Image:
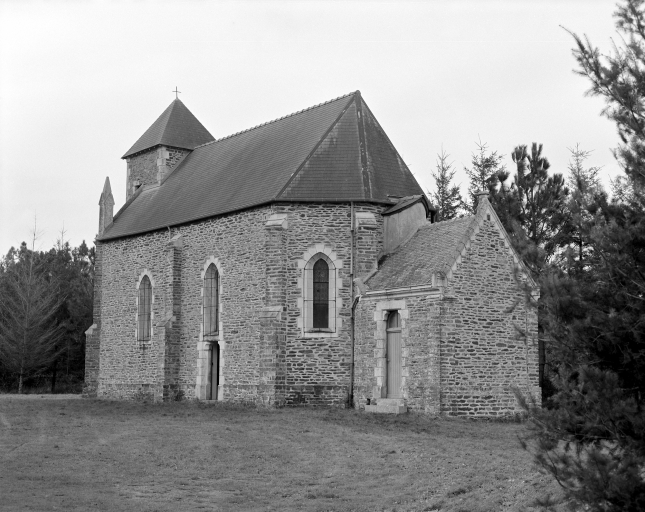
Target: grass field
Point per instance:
(83, 455)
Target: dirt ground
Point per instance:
(82, 455)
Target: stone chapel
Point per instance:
(298, 263)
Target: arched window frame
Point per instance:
(203, 335)
(306, 285)
(210, 301)
(206, 342)
(148, 341)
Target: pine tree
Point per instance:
(531, 207)
(29, 303)
(447, 196)
(482, 175)
(541, 199)
(584, 185)
(619, 78)
(592, 437)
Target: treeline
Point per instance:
(45, 308)
(585, 247)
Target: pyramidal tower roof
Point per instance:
(176, 127)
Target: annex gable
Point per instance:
(435, 251)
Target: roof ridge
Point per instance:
(442, 223)
(278, 119)
(453, 220)
(317, 145)
(170, 111)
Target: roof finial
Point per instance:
(177, 93)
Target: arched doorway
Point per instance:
(213, 372)
(394, 355)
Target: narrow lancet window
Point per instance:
(211, 301)
(145, 300)
(321, 295)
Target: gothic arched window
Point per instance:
(321, 295)
(211, 301)
(144, 312)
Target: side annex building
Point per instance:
(298, 263)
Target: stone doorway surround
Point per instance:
(393, 355)
(379, 402)
(205, 350)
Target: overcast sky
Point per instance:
(81, 81)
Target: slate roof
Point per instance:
(406, 202)
(433, 248)
(176, 127)
(332, 152)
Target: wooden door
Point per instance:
(213, 372)
(394, 355)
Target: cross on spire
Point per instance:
(177, 93)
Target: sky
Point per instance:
(81, 81)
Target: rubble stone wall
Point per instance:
(129, 368)
(264, 356)
(144, 167)
(420, 349)
(466, 347)
(490, 343)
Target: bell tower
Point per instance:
(160, 149)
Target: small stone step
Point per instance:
(389, 401)
(386, 409)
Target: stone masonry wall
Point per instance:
(265, 357)
(464, 348)
(490, 339)
(128, 368)
(144, 167)
(317, 370)
(92, 339)
(420, 349)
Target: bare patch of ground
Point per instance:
(79, 455)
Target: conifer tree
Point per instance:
(592, 437)
(584, 185)
(531, 205)
(482, 175)
(29, 302)
(447, 197)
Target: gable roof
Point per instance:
(332, 152)
(177, 127)
(430, 250)
(436, 249)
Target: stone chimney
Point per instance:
(106, 207)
